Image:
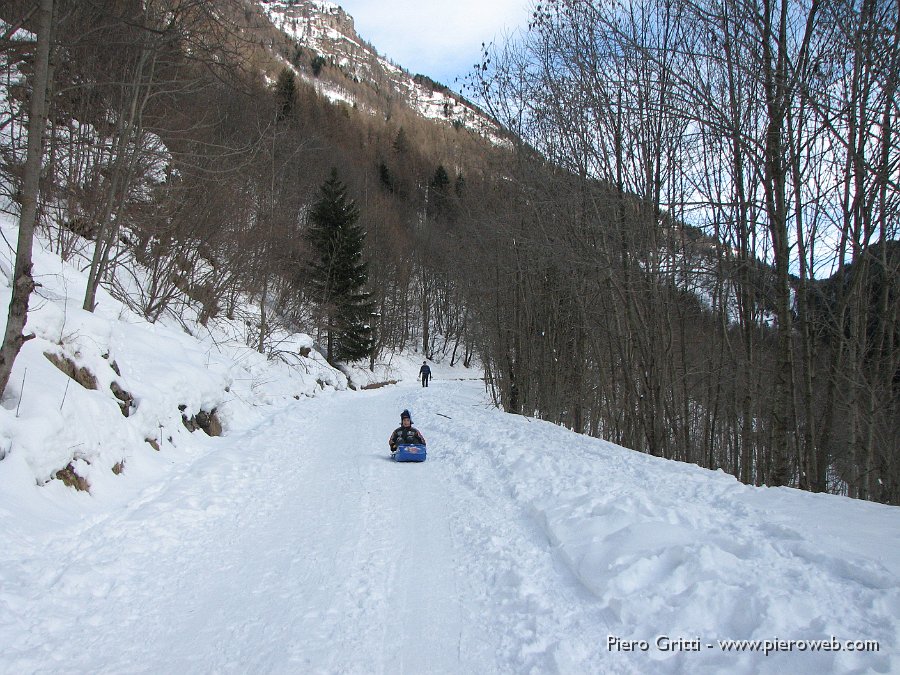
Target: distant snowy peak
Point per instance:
(320, 26)
(326, 29)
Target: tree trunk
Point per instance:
(23, 282)
(263, 327)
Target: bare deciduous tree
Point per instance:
(22, 280)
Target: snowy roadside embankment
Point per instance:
(673, 551)
(93, 391)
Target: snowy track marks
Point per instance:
(299, 547)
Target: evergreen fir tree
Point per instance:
(441, 179)
(317, 63)
(440, 182)
(286, 92)
(339, 274)
(384, 174)
(401, 142)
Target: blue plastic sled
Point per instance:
(410, 453)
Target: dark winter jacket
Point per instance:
(425, 370)
(406, 436)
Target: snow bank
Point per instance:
(137, 385)
(670, 550)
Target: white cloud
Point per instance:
(439, 39)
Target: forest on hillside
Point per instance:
(179, 138)
(689, 248)
(720, 281)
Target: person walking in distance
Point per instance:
(425, 373)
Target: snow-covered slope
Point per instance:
(137, 383)
(294, 544)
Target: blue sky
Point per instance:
(439, 39)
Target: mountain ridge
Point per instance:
(328, 32)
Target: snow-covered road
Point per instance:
(300, 546)
(517, 547)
